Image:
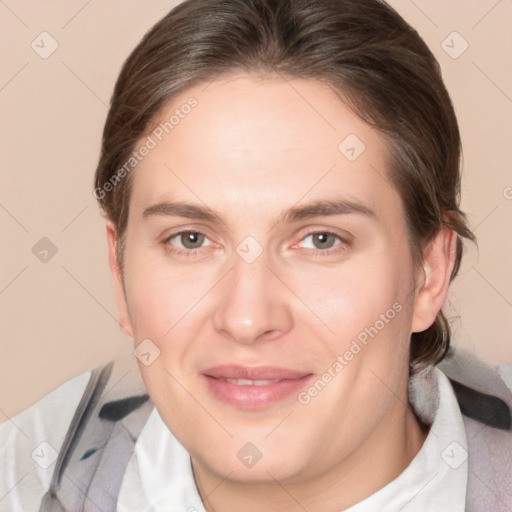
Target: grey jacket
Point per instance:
(486, 405)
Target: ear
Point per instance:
(115, 268)
(433, 279)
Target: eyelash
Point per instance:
(344, 243)
(337, 248)
(178, 250)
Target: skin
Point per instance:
(251, 150)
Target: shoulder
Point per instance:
(30, 443)
(485, 399)
(481, 389)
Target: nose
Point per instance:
(251, 304)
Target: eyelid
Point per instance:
(173, 249)
(185, 231)
(344, 237)
(345, 240)
(185, 228)
(339, 240)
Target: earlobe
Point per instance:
(433, 279)
(117, 274)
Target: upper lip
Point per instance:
(253, 373)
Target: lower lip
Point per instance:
(254, 397)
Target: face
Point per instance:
(267, 260)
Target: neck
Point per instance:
(381, 458)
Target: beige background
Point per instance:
(58, 318)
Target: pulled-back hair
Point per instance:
(362, 48)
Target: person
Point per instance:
(281, 184)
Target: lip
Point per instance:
(282, 383)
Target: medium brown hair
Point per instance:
(362, 48)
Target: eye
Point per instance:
(321, 240)
(187, 241)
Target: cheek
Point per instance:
(149, 305)
(351, 297)
(160, 296)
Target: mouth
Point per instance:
(253, 388)
(249, 382)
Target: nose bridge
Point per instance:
(249, 305)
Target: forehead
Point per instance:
(261, 142)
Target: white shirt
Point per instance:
(159, 476)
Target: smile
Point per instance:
(249, 382)
(253, 388)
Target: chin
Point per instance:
(245, 463)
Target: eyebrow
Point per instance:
(179, 209)
(326, 208)
(310, 210)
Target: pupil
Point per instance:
(324, 240)
(192, 240)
